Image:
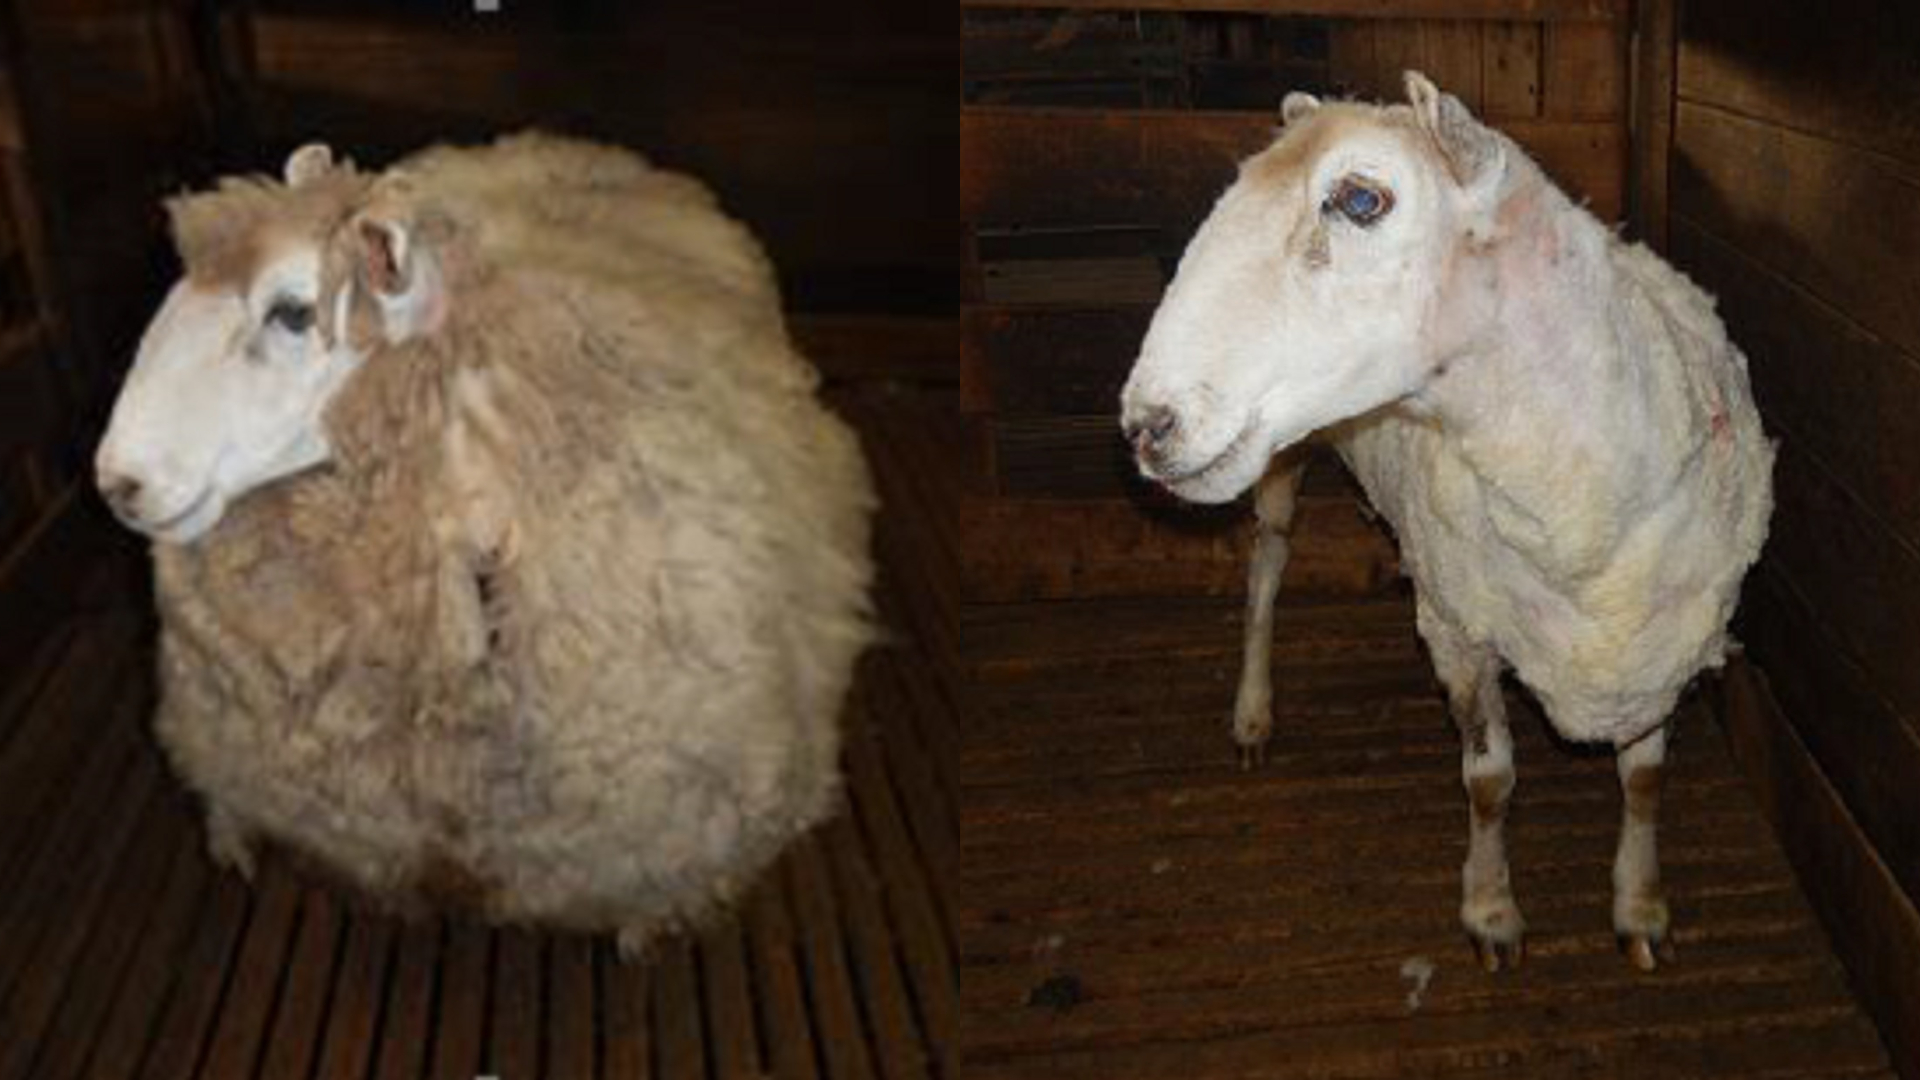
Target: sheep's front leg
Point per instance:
(1487, 910)
(1640, 916)
(1273, 506)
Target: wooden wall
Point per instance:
(828, 127)
(1795, 196)
(1074, 217)
(100, 115)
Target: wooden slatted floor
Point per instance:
(1134, 906)
(125, 956)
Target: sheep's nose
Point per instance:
(1152, 428)
(121, 492)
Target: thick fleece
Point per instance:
(562, 630)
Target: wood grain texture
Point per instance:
(1821, 379)
(1831, 218)
(1066, 167)
(1510, 70)
(1842, 70)
(1135, 905)
(1875, 928)
(1584, 67)
(1868, 752)
(1654, 55)
(795, 122)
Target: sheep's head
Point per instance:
(289, 288)
(1312, 292)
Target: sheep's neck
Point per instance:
(1533, 391)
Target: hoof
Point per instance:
(1252, 727)
(1498, 933)
(1647, 953)
(1641, 927)
(1498, 956)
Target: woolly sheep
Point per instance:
(503, 554)
(1553, 421)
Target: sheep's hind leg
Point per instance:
(1640, 916)
(1487, 909)
(1273, 506)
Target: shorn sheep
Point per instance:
(1552, 421)
(503, 554)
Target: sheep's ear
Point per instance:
(1296, 107)
(308, 163)
(382, 246)
(1472, 151)
(400, 275)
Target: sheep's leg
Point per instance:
(1471, 675)
(1273, 506)
(1640, 916)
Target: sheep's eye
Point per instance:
(1359, 201)
(293, 316)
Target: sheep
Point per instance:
(504, 557)
(1551, 420)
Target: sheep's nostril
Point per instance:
(1154, 427)
(122, 493)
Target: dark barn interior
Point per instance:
(1131, 903)
(1050, 863)
(123, 952)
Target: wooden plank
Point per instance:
(51, 857)
(868, 347)
(1067, 167)
(836, 1012)
(1510, 70)
(247, 1008)
(57, 736)
(41, 575)
(406, 1029)
(75, 897)
(781, 995)
(1869, 753)
(907, 895)
(1231, 924)
(517, 1004)
(1054, 549)
(676, 1010)
(1654, 63)
(112, 1047)
(897, 1042)
(292, 1048)
(1833, 548)
(466, 970)
(749, 113)
(353, 1014)
(1052, 361)
(176, 1043)
(1772, 193)
(727, 996)
(1844, 394)
(1872, 925)
(1842, 70)
(1453, 60)
(573, 1008)
(1351, 65)
(626, 988)
(1584, 68)
(1355, 9)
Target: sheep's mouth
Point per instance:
(187, 524)
(1230, 454)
